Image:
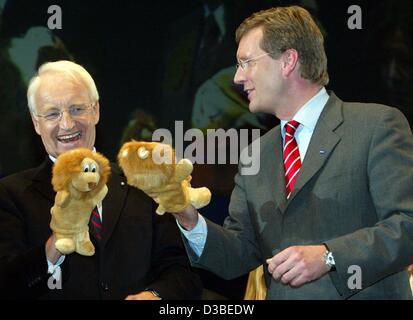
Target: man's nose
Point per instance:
(239, 77)
(66, 122)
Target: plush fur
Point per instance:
(152, 167)
(79, 179)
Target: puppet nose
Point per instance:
(92, 185)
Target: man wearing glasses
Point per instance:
(330, 214)
(139, 256)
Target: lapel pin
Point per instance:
(322, 152)
(122, 183)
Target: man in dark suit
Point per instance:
(330, 212)
(140, 254)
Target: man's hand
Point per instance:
(52, 254)
(144, 295)
(187, 218)
(298, 265)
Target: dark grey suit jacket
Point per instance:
(139, 248)
(353, 193)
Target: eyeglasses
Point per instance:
(245, 63)
(76, 112)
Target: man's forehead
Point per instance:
(59, 90)
(55, 81)
(249, 44)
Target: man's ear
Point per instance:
(289, 61)
(35, 123)
(96, 112)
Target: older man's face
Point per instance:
(66, 116)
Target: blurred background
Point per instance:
(155, 63)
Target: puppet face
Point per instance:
(81, 169)
(88, 178)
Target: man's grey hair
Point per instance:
(68, 69)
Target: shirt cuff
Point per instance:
(197, 236)
(54, 269)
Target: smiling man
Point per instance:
(64, 105)
(334, 191)
(139, 254)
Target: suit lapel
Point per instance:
(113, 203)
(321, 145)
(42, 180)
(272, 166)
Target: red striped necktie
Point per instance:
(97, 223)
(292, 160)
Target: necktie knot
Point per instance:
(291, 127)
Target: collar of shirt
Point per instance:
(100, 209)
(307, 116)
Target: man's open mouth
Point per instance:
(70, 137)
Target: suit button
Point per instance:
(104, 286)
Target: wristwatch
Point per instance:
(329, 260)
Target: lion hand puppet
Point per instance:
(79, 179)
(152, 167)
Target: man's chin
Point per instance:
(256, 107)
(66, 146)
(252, 107)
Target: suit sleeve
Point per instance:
(232, 250)
(171, 274)
(387, 247)
(23, 270)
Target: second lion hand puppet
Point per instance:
(152, 167)
(79, 178)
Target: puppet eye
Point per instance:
(93, 167)
(86, 168)
(125, 153)
(143, 153)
